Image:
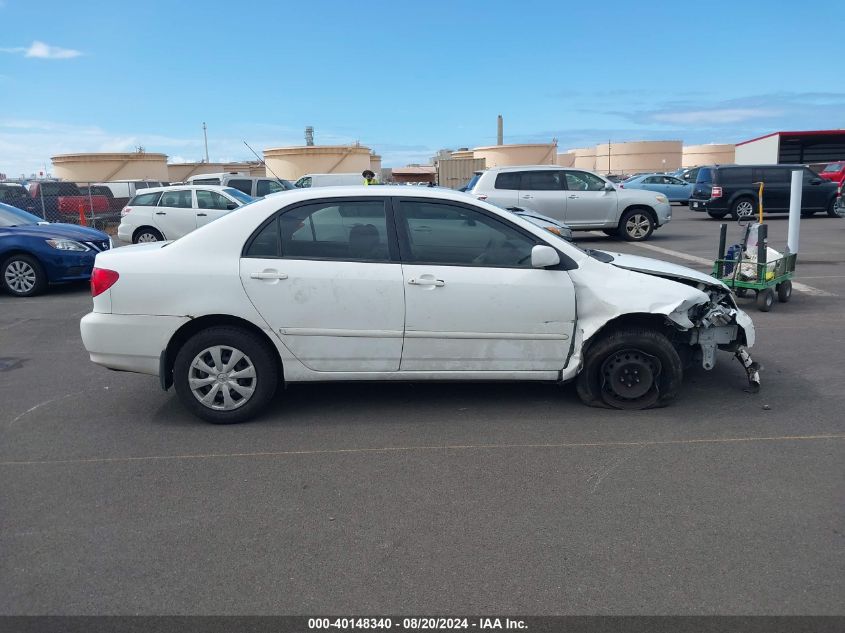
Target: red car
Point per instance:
(834, 172)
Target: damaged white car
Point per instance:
(379, 283)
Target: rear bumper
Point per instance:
(128, 342)
(697, 204)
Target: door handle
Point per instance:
(527, 197)
(572, 196)
(268, 274)
(427, 282)
(201, 215)
(161, 213)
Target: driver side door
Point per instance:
(587, 201)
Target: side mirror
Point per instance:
(608, 186)
(544, 256)
(232, 206)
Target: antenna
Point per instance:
(261, 160)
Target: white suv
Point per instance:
(581, 199)
(168, 213)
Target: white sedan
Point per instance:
(168, 213)
(385, 283)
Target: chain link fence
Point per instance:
(93, 204)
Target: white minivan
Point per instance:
(255, 186)
(328, 180)
(168, 213)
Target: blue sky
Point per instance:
(408, 78)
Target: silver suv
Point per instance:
(581, 199)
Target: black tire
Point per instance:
(147, 234)
(636, 225)
(22, 275)
(743, 207)
(257, 354)
(617, 366)
(611, 232)
(834, 211)
(784, 290)
(718, 215)
(765, 300)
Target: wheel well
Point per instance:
(20, 251)
(642, 320)
(145, 226)
(639, 207)
(193, 326)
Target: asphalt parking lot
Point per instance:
(434, 498)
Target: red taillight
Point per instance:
(481, 197)
(125, 210)
(102, 279)
(716, 192)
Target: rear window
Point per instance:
(508, 180)
(59, 189)
(834, 167)
(241, 185)
(738, 176)
(263, 187)
(206, 181)
(705, 174)
(145, 200)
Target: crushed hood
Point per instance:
(660, 268)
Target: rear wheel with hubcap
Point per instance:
(225, 375)
(23, 275)
(630, 369)
(834, 210)
(147, 234)
(742, 208)
(636, 225)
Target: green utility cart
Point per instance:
(770, 278)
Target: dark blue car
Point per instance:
(34, 253)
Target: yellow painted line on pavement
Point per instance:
(444, 447)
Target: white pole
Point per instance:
(795, 211)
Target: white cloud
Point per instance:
(40, 50)
(717, 116)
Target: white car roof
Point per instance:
(182, 188)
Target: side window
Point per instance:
(546, 180)
(582, 181)
(739, 175)
(771, 175)
(211, 200)
(266, 243)
(340, 230)
(263, 187)
(507, 180)
(206, 181)
(241, 185)
(178, 199)
(145, 200)
(303, 182)
(451, 235)
(651, 180)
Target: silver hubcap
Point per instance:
(638, 226)
(222, 378)
(20, 276)
(147, 237)
(745, 209)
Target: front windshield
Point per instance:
(834, 167)
(12, 216)
(239, 195)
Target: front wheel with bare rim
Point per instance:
(633, 368)
(225, 375)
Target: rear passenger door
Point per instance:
(505, 191)
(326, 278)
(543, 191)
(175, 215)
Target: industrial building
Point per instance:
(294, 162)
(817, 147)
(100, 167)
(709, 154)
